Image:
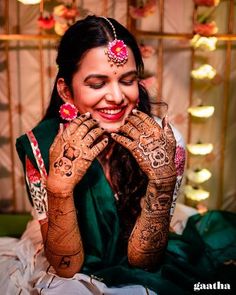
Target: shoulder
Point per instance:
(44, 133)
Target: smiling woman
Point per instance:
(112, 93)
(102, 173)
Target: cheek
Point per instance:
(133, 95)
(85, 100)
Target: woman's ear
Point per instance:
(64, 91)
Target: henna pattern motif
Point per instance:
(65, 262)
(63, 245)
(153, 236)
(155, 204)
(71, 154)
(73, 151)
(154, 149)
(152, 146)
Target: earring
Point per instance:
(137, 103)
(68, 111)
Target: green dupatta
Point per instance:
(194, 256)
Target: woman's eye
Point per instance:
(128, 82)
(96, 85)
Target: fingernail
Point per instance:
(61, 127)
(135, 111)
(86, 115)
(166, 119)
(106, 140)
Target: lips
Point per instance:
(112, 114)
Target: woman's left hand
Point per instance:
(152, 146)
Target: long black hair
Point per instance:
(126, 176)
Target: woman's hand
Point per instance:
(153, 148)
(72, 152)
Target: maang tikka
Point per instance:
(116, 51)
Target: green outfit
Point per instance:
(195, 256)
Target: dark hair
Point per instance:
(91, 32)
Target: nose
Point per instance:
(115, 95)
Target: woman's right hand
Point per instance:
(72, 152)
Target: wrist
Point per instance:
(58, 187)
(164, 185)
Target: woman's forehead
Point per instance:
(96, 60)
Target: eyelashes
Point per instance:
(97, 85)
(124, 82)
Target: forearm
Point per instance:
(63, 245)
(149, 237)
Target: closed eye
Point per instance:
(96, 85)
(129, 82)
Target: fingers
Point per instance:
(130, 130)
(85, 127)
(99, 147)
(167, 129)
(58, 136)
(124, 141)
(94, 134)
(150, 122)
(73, 126)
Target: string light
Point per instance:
(198, 175)
(30, 1)
(201, 111)
(204, 43)
(205, 71)
(196, 193)
(200, 148)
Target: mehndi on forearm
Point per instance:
(149, 237)
(63, 245)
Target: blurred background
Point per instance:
(189, 51)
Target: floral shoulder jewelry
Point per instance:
(116, 51)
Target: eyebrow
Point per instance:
(133, 72)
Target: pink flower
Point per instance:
(117, 52)
(206, 2)
(144, 10)
(180, 160)
(46, 22)
(206, 29)
(68, 111)
(119, 48)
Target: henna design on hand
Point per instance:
(152, 235)
(153, 147)
(63, 244)
(154, 150)
(65, 262)
(73, 151)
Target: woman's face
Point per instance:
(108, 92)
